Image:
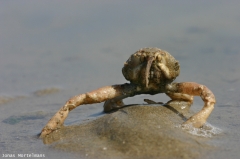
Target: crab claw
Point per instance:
(149, 64)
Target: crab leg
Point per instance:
(96, 96)
(114, 104)
(194, 89)
(180, 99)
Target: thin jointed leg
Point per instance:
(96, 96)
(194, 89)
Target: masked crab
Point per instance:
(150, 71)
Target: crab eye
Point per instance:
(158, 57)
(163, 53)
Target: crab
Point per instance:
(150, 71)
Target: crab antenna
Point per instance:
(149, 64)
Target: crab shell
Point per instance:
(144, 67)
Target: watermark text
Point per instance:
(22, 155)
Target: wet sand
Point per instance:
(136, 131)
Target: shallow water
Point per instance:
(51, 51)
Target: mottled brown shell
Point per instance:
(143, 68)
